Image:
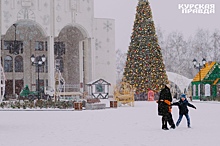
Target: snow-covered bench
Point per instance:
(94, 104)
(93, 100)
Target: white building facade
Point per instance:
(66, 32)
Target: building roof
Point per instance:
(102, 81)
(204, 71)
(216, 81)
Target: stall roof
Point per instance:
(97, 81)
(204, 71)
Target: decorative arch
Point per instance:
(67, 53)
(30, 23)
(70, 48)
(28, 33)
(181, 81)
(19, 65)
(71, 32)
(8, 64)
(79, 27)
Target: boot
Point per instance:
(164, 126)
(173, 126)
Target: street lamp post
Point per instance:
(15, 49)
(199, 66)
(39, 62)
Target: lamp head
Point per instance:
(15, 25)
(43, 58)
(40, 62)
(32, 58)
(203, 61)
(194, 62)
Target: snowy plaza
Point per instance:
(123, 126)
(100, 72)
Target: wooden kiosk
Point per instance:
(98, 89)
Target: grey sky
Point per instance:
(165, 14)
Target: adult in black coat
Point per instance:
(183, 110)
(164, 108)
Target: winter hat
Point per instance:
(183, 96)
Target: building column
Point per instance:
(81, 65)
(51, 67)
(93, 55)
(1, 96)
(88, 62)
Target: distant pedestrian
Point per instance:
(183, 110)
(175, 95)
(190, 98)
(164, 108)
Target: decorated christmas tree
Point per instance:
(144, 68)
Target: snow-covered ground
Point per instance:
(124, 126)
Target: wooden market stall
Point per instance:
(98, 88)
(207, 82)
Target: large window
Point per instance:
(39, 46)
(59, 64)
(207, 90)
(46, 66)
(9, 87)
(46, 47)
(100, 88)
(8, 64)
(19, 64)
(15, 47)
(8, 45)
(47, 82)
(59, 48)
(218, 90)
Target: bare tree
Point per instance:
(215, 44)
(176, 48)
(179, 53)
(120, 64)
(201, 45)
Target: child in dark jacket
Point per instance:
(183, 110)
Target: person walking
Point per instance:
(164, 108)
(183, 110)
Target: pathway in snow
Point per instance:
(124, 126)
